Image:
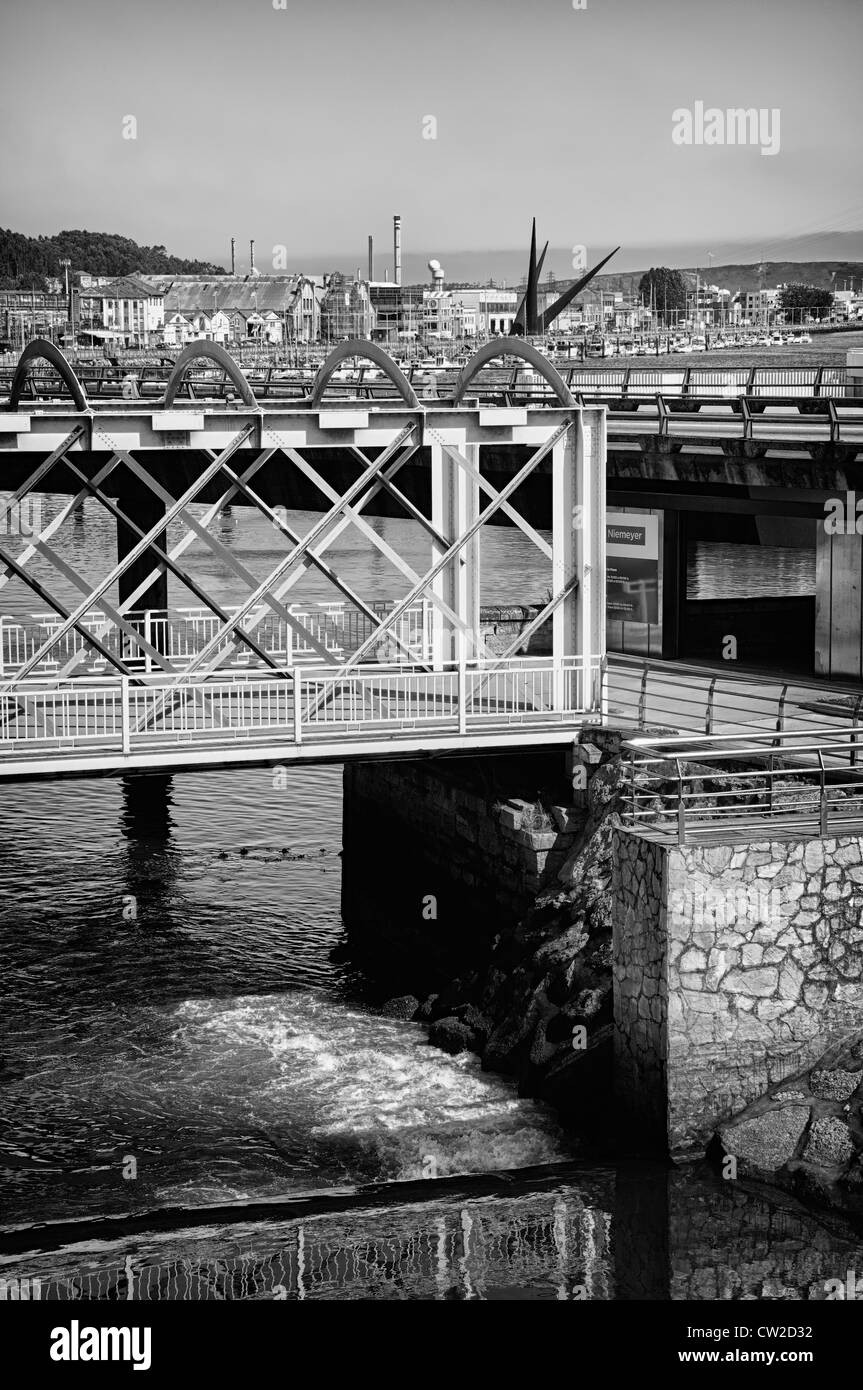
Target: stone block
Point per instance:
(767, 1140)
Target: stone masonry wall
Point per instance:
(762, 968)
(639, 955)
(508, 851)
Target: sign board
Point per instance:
(632, 567)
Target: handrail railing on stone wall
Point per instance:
(682, 789)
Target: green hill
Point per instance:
(26, 262)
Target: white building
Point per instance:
(493, 311)
(130, 311)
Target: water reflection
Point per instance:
(594, 1234)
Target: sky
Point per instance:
(305, 127)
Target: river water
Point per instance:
(218, 1046)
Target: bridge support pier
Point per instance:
(735, 967)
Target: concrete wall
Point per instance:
(735, 966)
(454, 830)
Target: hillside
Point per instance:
(25, 262)
(829, 275)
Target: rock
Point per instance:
(425, 1012)
(829, 1142)
(451, 1035)
(588, 1003)
(562, 949)
(455, 993)
(403, 1006)
(479, 1023)
(835, 1085)
(767, 1140)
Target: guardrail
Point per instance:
(181, 633)
(642, 692)
(517, 382)
(295, 705)
(806, 782)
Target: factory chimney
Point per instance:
(397, 248)
(252, 256)
(371, 259)
(233, 257)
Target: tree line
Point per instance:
(27, 262)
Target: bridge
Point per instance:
(113, 675)
(103, 671)
(761, 404)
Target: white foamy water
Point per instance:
(367, 1089)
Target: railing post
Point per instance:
(642, 698)
(125, 714)
(681, 809)
(854, 725)
(823, 807)
(780, 713)
(633, 804)
(148, 637)
(462, 694)
(298, 708)
(708, 715)
(2, 653)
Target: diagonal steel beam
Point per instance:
(62, 516)
(209, 516)
(69, 623)
(383, 546)
(298, 554)
(226, 556)
(146, 543)
(410, 507)
(177, 570)
(343, 522)
(83, 585)
(325, 569)
(41, 472)
(461, 541)
(490, 491)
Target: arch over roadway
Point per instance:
(41, 348)
(358, 347)
(512, 348)
(214, 353)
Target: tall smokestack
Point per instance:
(233, 257)
(371, 259)
(252, 256)
(397, 248)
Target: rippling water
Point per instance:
(214, 1039)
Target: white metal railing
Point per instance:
(179, 634)
(295, 704)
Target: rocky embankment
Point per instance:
(806, 1135)
(541, 1008)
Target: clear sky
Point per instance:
(304, 126)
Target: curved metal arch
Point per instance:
(40, 347)
(512, 348)
(358, 347)
(215, 353)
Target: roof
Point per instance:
(125, 287)
(247, 294)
